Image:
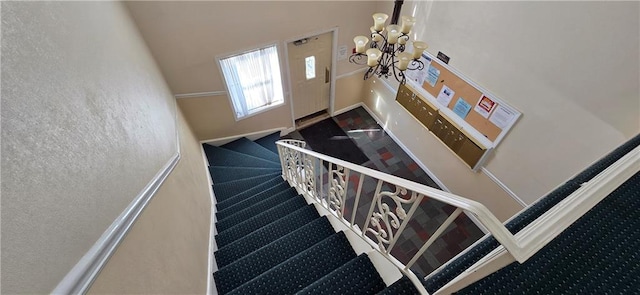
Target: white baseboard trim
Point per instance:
(407, 150)
(251, 135)
(82, 275)
(422, 165)
(503, 186)
(212, 265)
(200, 94)
(344, 110)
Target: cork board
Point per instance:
(472, 95)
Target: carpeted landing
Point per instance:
(270, 241)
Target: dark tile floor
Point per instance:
(387, 156)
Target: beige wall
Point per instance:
(570, 67)
(212, 117)
(87, 122)
(166, 251)
(186, 37)
(349, 90)
(451, 171)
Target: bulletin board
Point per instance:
(490, 116)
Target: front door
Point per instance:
(310, 68)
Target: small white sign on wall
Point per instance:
(342, 52)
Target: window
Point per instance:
(253, 80)
(310, 67)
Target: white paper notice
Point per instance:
(484, 106)
(502, 117)
(419, 76)
(445, 96)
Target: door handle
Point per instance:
(326, 75)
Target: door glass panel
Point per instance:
(310, 65)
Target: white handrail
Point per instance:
(483, 214)
(300, 166)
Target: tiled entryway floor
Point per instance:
(387, 156)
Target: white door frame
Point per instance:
(334, 49)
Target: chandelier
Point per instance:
(386, 56)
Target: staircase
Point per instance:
(598, 254)
(270, 241)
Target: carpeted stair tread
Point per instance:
(403, 286)
(246, 146)
(460, 264)
(259, 206)
(598, 254)
(246, 268)
(269, 141)
(265, 235)
(357, 276)
(227, 173)
(218, 156)
(241, 229)
(606, 161)
(246, 198)
(228, 189)
(303, 269)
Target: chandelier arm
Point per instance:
(358, 58)
(416, 64)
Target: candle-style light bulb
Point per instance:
(361, 43)
(407, 23)
(373, 55)
(418, 49)
(378, 21)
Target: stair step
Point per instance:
(463, 262)
(241, 229)
(269, 141)
(303, 269)
(357, 276)
(227, 173)
(246, 146)
(261, 260)
(265, 235)
(258, 207)
(218, 156)
(228, 189)
(403, 286)
(248, 197)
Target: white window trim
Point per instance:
(282, 75)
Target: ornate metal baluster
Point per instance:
(373, 206)
(310, 176)
(384, 221)
(337, 189)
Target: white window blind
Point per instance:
(253, 80)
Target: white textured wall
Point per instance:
(167, 249)
(572, 68)
(87, 121)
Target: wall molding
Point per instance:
(504, 187)
(212, 266)
(82, 275)
(251, 135)
(201, 94)
(349, 108)
(362, 70)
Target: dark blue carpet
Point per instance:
(598, 254)
(457, 266)
(269, 240)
